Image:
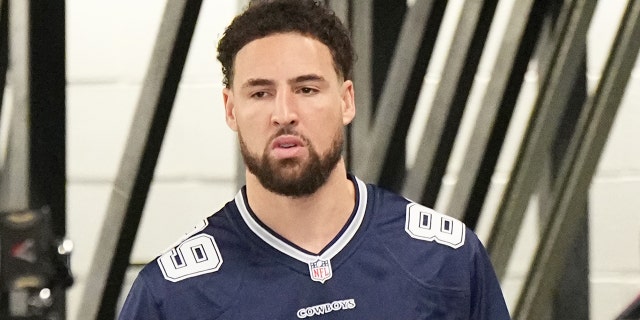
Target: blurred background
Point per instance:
(518, 117)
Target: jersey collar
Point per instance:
(287, 248)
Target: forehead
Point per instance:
(283, 55)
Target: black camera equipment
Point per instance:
(33, 265)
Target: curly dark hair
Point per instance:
(266, 17)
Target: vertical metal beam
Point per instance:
(14, 173)
(4, 52)
(48, 109)
(134, 177)
(578, 167)
(425, 177)
(358, 131)
(571, 298)
(571, 295)
(34, 171)
(15, 179)
(410, 60)
(554, 92)
(389, 16)
(47, 100)
(497, 107)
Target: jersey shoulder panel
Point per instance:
(426, 224)
(431, 247)
(192, 273)
(198, 251)
(198, 254)
(419, 222)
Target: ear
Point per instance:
(348, 102)
(229, 108)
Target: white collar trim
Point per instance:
(287, 249)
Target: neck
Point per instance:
(310, 222)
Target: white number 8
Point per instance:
(426, 224)
(193, 257)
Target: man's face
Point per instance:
(289, 107)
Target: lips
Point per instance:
(286, 141)
(287, 146)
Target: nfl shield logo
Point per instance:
(320, 270)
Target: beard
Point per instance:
(293, 177)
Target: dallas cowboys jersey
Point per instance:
(394, 259)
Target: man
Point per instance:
(303, 238)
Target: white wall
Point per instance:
(108, 50)
(109, 45)
(615, 219)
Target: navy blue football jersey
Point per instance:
(394, 259)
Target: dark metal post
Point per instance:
(388, 17)
(4, 44)
(554, 94)
(425, 177)
(406, 71)
(571, 299)
(34, 172)
(520, 39)
(358, 130)
(578, 165)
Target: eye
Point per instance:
(259, 94)
(307, 90)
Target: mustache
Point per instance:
(286, 130)
(289, 131)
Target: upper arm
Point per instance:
(140, 303)
(487, 300)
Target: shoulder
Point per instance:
(426, 224)
(171, 284)
(421, 224)
(420, 237)
(197, 252)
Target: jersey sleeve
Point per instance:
(140, 303)
(487, 300)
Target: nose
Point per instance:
(285, 109)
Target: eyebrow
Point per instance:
(267, 82)
(257, 82)
(306, 77)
